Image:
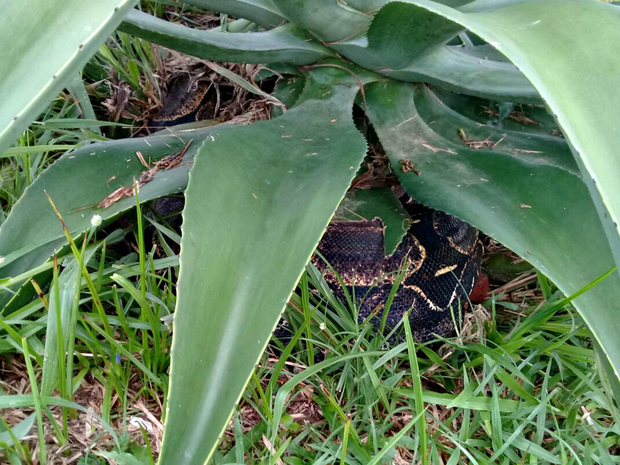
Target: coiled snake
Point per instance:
(440, 262)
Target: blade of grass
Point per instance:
(345, 442)
(376, 460)
(416, 379)
(78, 91)
(36, 400)
(156, 379)
(244, 84)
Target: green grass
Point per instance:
(524, 393)
(519, 385)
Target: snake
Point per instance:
(430, 277)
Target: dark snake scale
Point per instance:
(440, 259)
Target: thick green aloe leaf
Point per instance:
(287, 90)
(580, 88)
(404, 44)
(258, 201)
(46, 44)
(77, 182)
(413, 47)
(327, 20)
(262, 12)
(496, 114)
(455, 69)
(535, 203)
(520, 140)
(334, 21)
(371, 6)
(284, 44)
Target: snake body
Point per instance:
(440, 262)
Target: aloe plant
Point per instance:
(415, 71)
